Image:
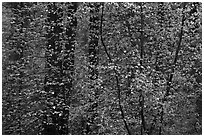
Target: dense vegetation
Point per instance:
(102, 68)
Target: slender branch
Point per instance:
(116, 74)
(176, 55)
(172, 71)
(142, 35)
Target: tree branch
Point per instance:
(176, 55)
(116, 74)
(172, 71)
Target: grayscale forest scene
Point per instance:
(101, 68)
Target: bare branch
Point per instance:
(116, 74)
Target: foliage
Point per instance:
(102, 68)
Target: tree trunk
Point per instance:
(60, 66)
(93, 60)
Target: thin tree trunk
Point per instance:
(116, 74)
(52, 79)
(93, 60)
(68, 61)
(169, 81)
(60, 65)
